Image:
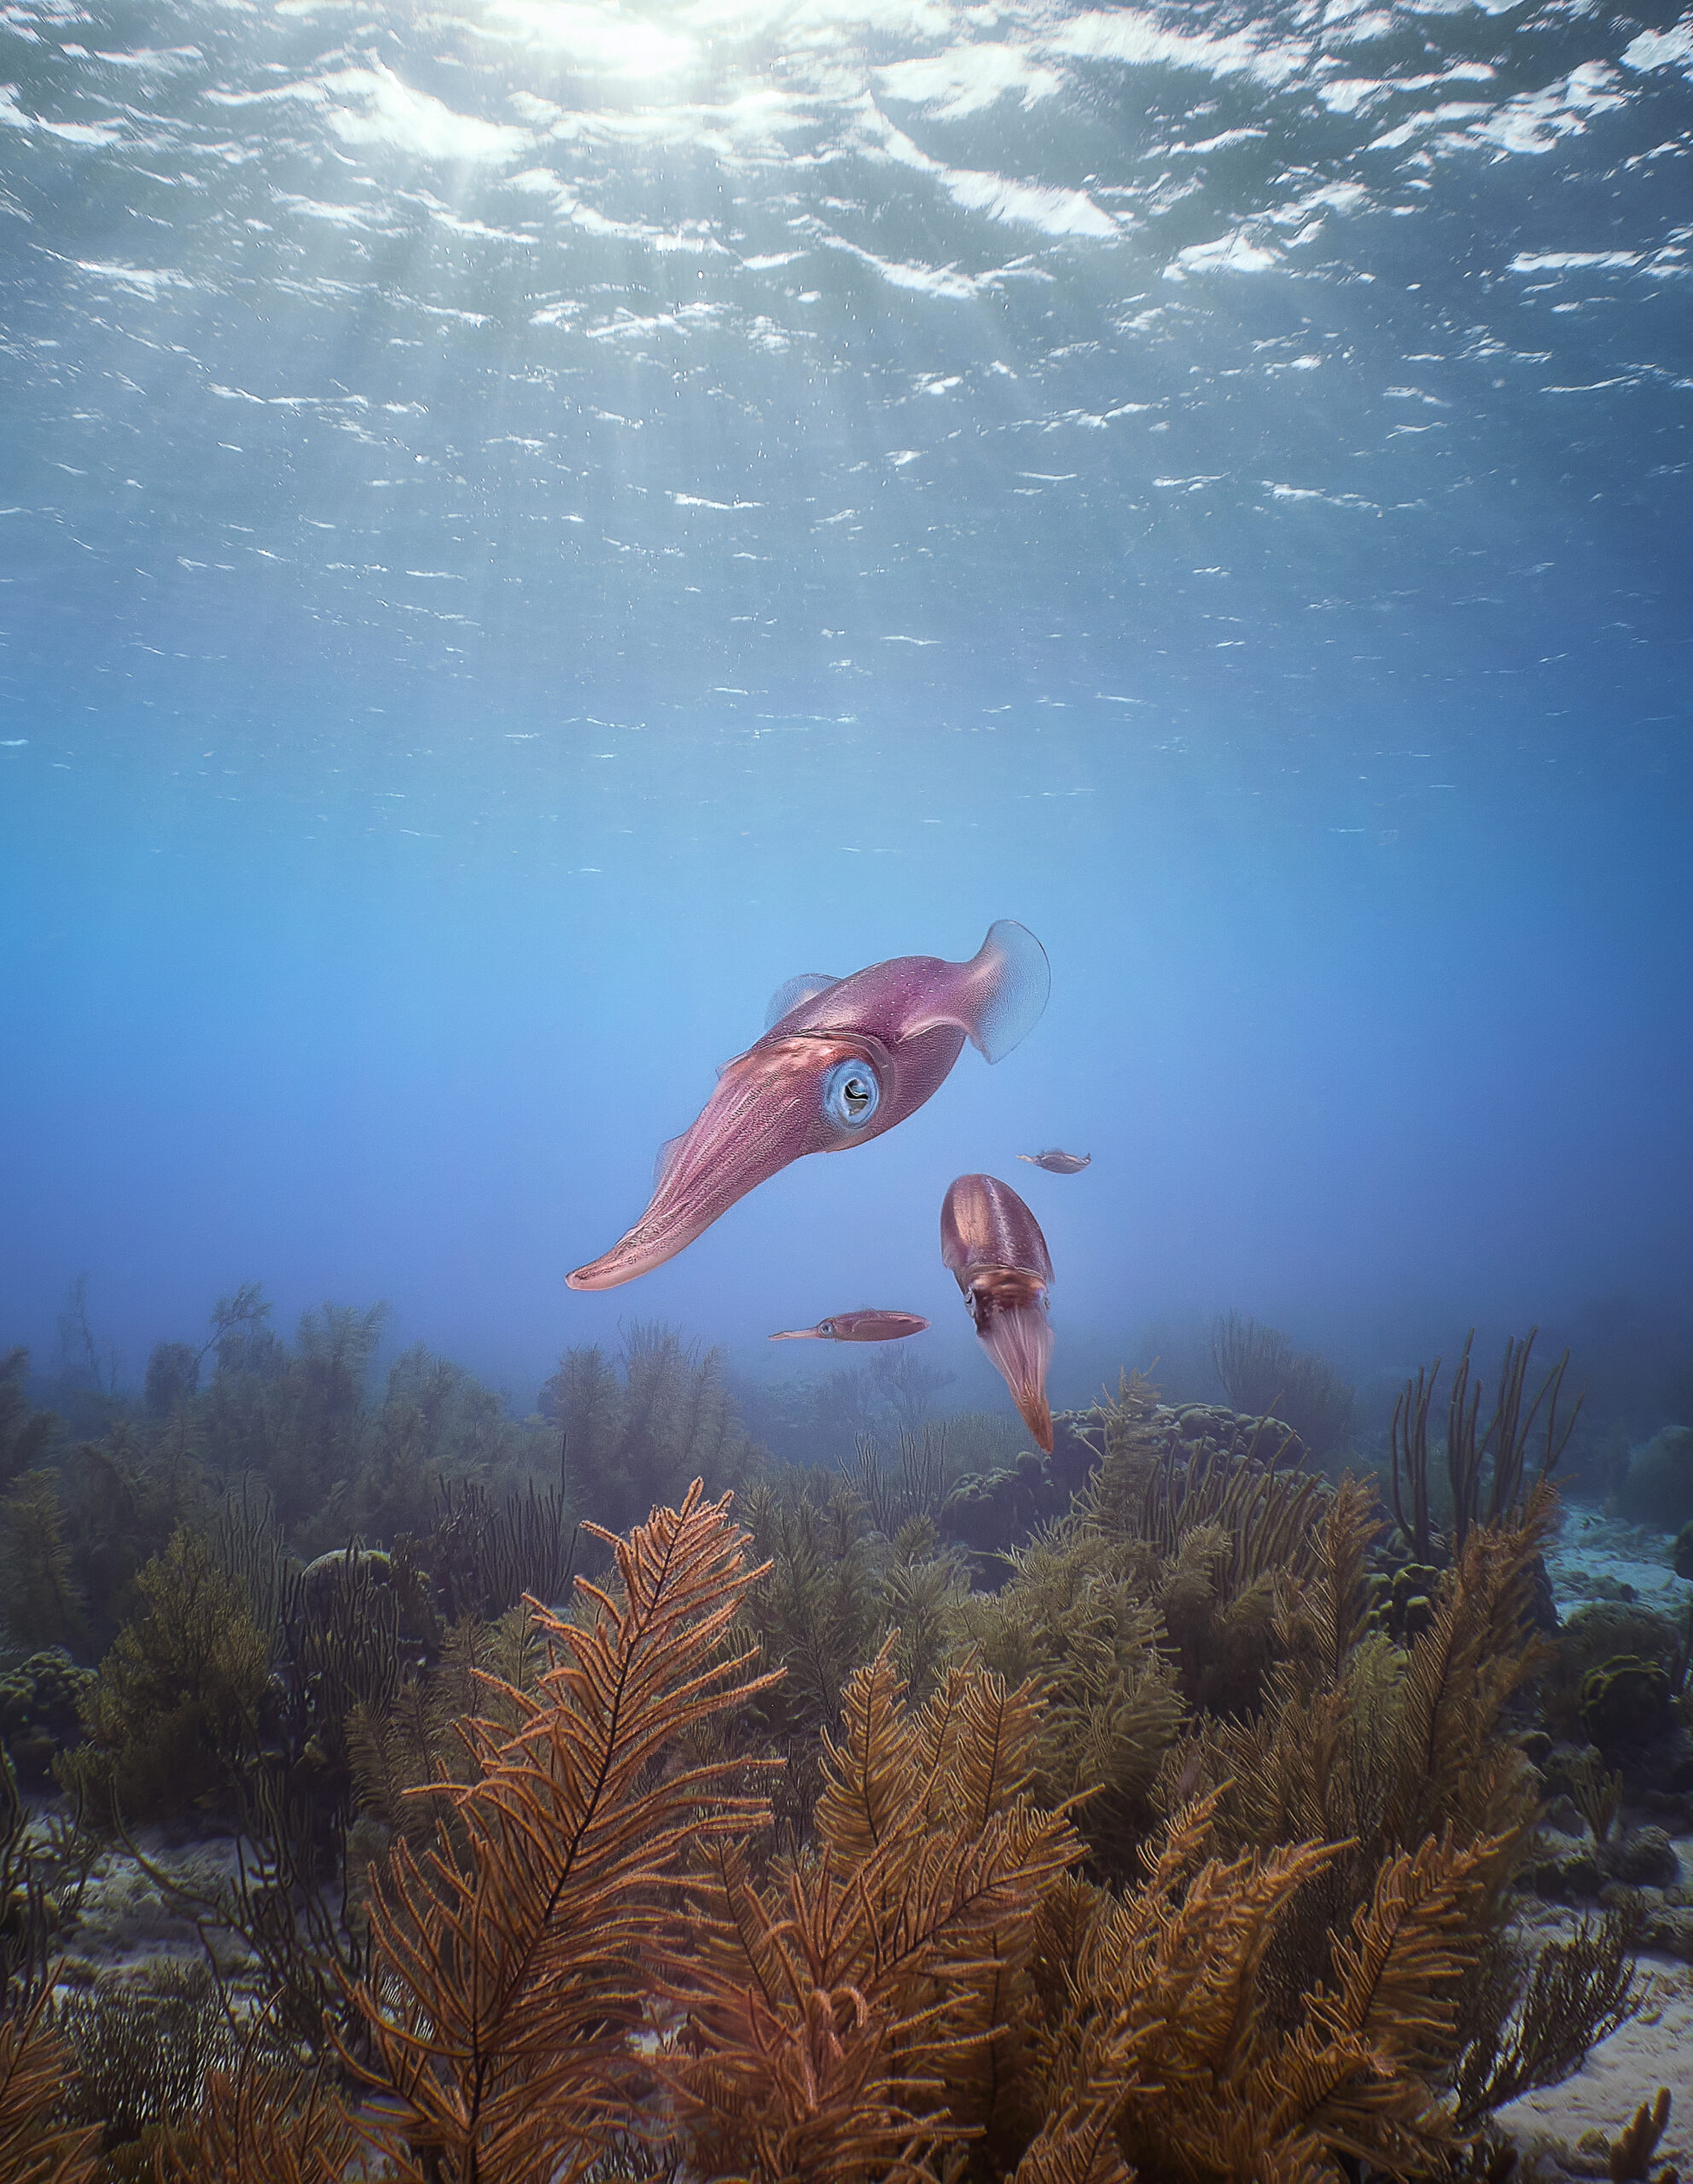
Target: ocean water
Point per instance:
(524, 526)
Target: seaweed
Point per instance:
(915, 1485)
(141, 2050)
(483, 1555)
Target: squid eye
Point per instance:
(850, 1093)
(825, 1327)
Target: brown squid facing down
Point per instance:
(857, 1327)
(841, 1061)
(993, 1247)
(1057, 1163)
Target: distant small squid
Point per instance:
(857, 1327)
(992, 1246)
(1057, 1163)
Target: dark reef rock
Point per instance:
(1572, 1877)
(1409, 1608)
(1684, 1551)
(1268, 1440)
(322, 1581)
(1593, 1640)
(1670, 1931)
(987, 1511)
(1624, 1702)
(1074, 1456)
(1645, 1858)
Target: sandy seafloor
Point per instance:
(1564, 2131)
(1561, 2130)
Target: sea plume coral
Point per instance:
(508, 1959)
(843, 2018)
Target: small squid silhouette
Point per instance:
(1057, 1163)
(857, 1327)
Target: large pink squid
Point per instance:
(841, 1061)
(993, 1247)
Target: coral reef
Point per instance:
(41, 1703)
(779, 1849)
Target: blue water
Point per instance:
(526, 525)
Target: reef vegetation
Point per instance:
(608, 1799)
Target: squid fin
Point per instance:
(1009, 979)
(996, 997)
(789, 995)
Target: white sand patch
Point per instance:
(1594, 1555)
(1654, 2049)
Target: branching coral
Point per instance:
(841, 2016)
(1076, 1618)
(34, 2147)
(815, 1615)
(1523, 2033)
(402, 1748)
(142, 2049)
(264, 2122)
(25, 1433)
(508, 1959)
(1162, 2039)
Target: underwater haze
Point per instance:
(525, 525)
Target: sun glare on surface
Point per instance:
(621, 41)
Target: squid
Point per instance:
(991, 1244)
(1057, 1163)
(841, 1061)
(858, 1327)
